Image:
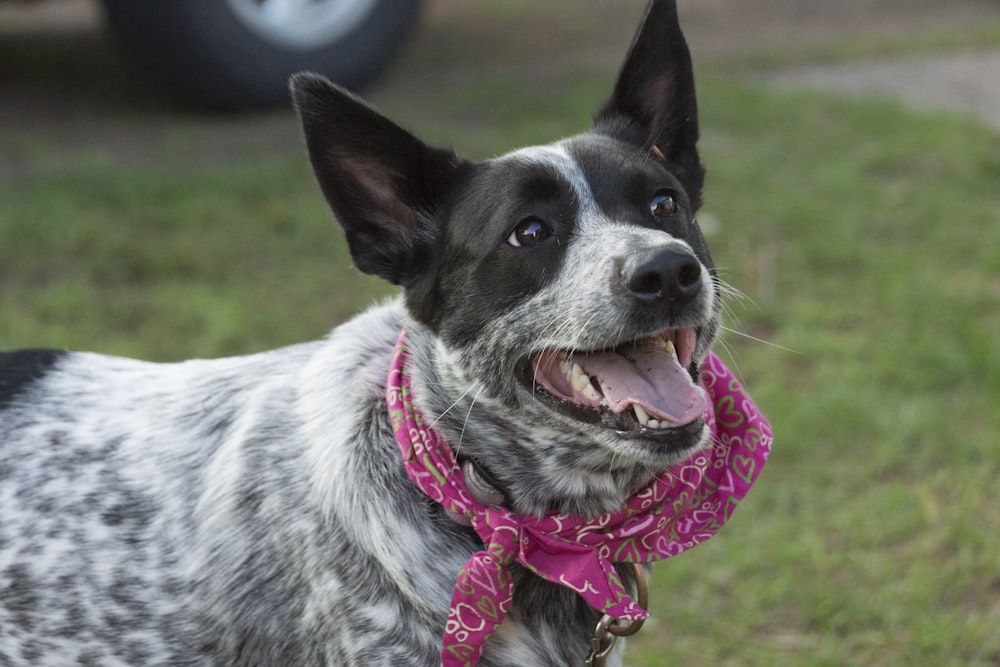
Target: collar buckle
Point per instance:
(609, 629)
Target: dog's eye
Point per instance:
(662, 205)
(529, 232)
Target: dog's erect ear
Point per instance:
(382, 183)
(654, 102)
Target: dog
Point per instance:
(256, 510)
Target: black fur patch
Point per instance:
(18, 370)
(480, 274)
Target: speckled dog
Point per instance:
(255, 510)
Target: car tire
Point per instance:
(229, 54)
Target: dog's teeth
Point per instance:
(591, 393)
(645, 420)
(640, 414)
(667, 345)
(579, 380)
(574, 375)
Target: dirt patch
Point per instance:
(956, 82)
(735, 27)
(65, 89)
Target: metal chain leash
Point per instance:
(609, 629)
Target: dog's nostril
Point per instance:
(663, 275)
(647, 283)
(689, 276)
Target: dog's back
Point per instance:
(159, 513)
(106, 464)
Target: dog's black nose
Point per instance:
(662, 276)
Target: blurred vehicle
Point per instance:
(238, 54)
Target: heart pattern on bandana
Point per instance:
(685, 506)
(726, 412)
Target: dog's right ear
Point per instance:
(655, 99)
(382, 183)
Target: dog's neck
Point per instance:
(529, 464)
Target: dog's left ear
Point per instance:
(654, 101)
(383, 184)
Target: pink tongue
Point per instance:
(650, 377)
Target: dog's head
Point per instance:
(567, 284)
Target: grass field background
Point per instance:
(866, 238)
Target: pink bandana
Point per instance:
(683, 507)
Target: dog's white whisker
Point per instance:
(465, 423)
(762, 341)
(730, 353)
(451, 407)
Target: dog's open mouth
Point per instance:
(644, 388)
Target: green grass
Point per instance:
(167, 263)
(865, 237)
